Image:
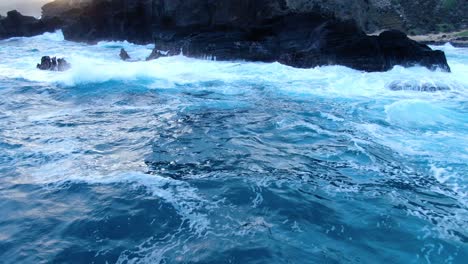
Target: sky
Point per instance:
(26, 7)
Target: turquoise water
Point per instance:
(194, 161)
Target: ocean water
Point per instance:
(181, 160)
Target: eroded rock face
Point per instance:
(53, 64)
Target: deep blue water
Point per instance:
(193, 161)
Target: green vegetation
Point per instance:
(444, 27)
(416, 31)
(449, 4)
(463, 34)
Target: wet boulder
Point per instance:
(53, 64)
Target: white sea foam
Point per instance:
(101, 63)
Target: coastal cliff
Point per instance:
(412, 17)
(298, 33)
(17, 25)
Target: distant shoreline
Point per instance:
(457, 38)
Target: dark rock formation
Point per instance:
(303, 41)
(132, 20)
(53, 64)
(299, 33)
(156, 54)
(124, 55)
(17, 25)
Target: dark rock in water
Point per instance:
(53, 64)
(155, 54)
(63, 65)
(46, 63)
(417, 86)
(124, 55)
(17, 25)
(398, 49)
(303, 41)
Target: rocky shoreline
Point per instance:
(252, 30)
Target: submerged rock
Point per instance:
(417, 86)
(53, 64)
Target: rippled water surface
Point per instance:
(193, 161)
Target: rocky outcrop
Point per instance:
(299, 33)
(124, 55)
(17, 25)
(156, 54)
(53, 64)
(315, 42)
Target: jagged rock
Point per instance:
(155, 54)
(53, 64)
(124, 55)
